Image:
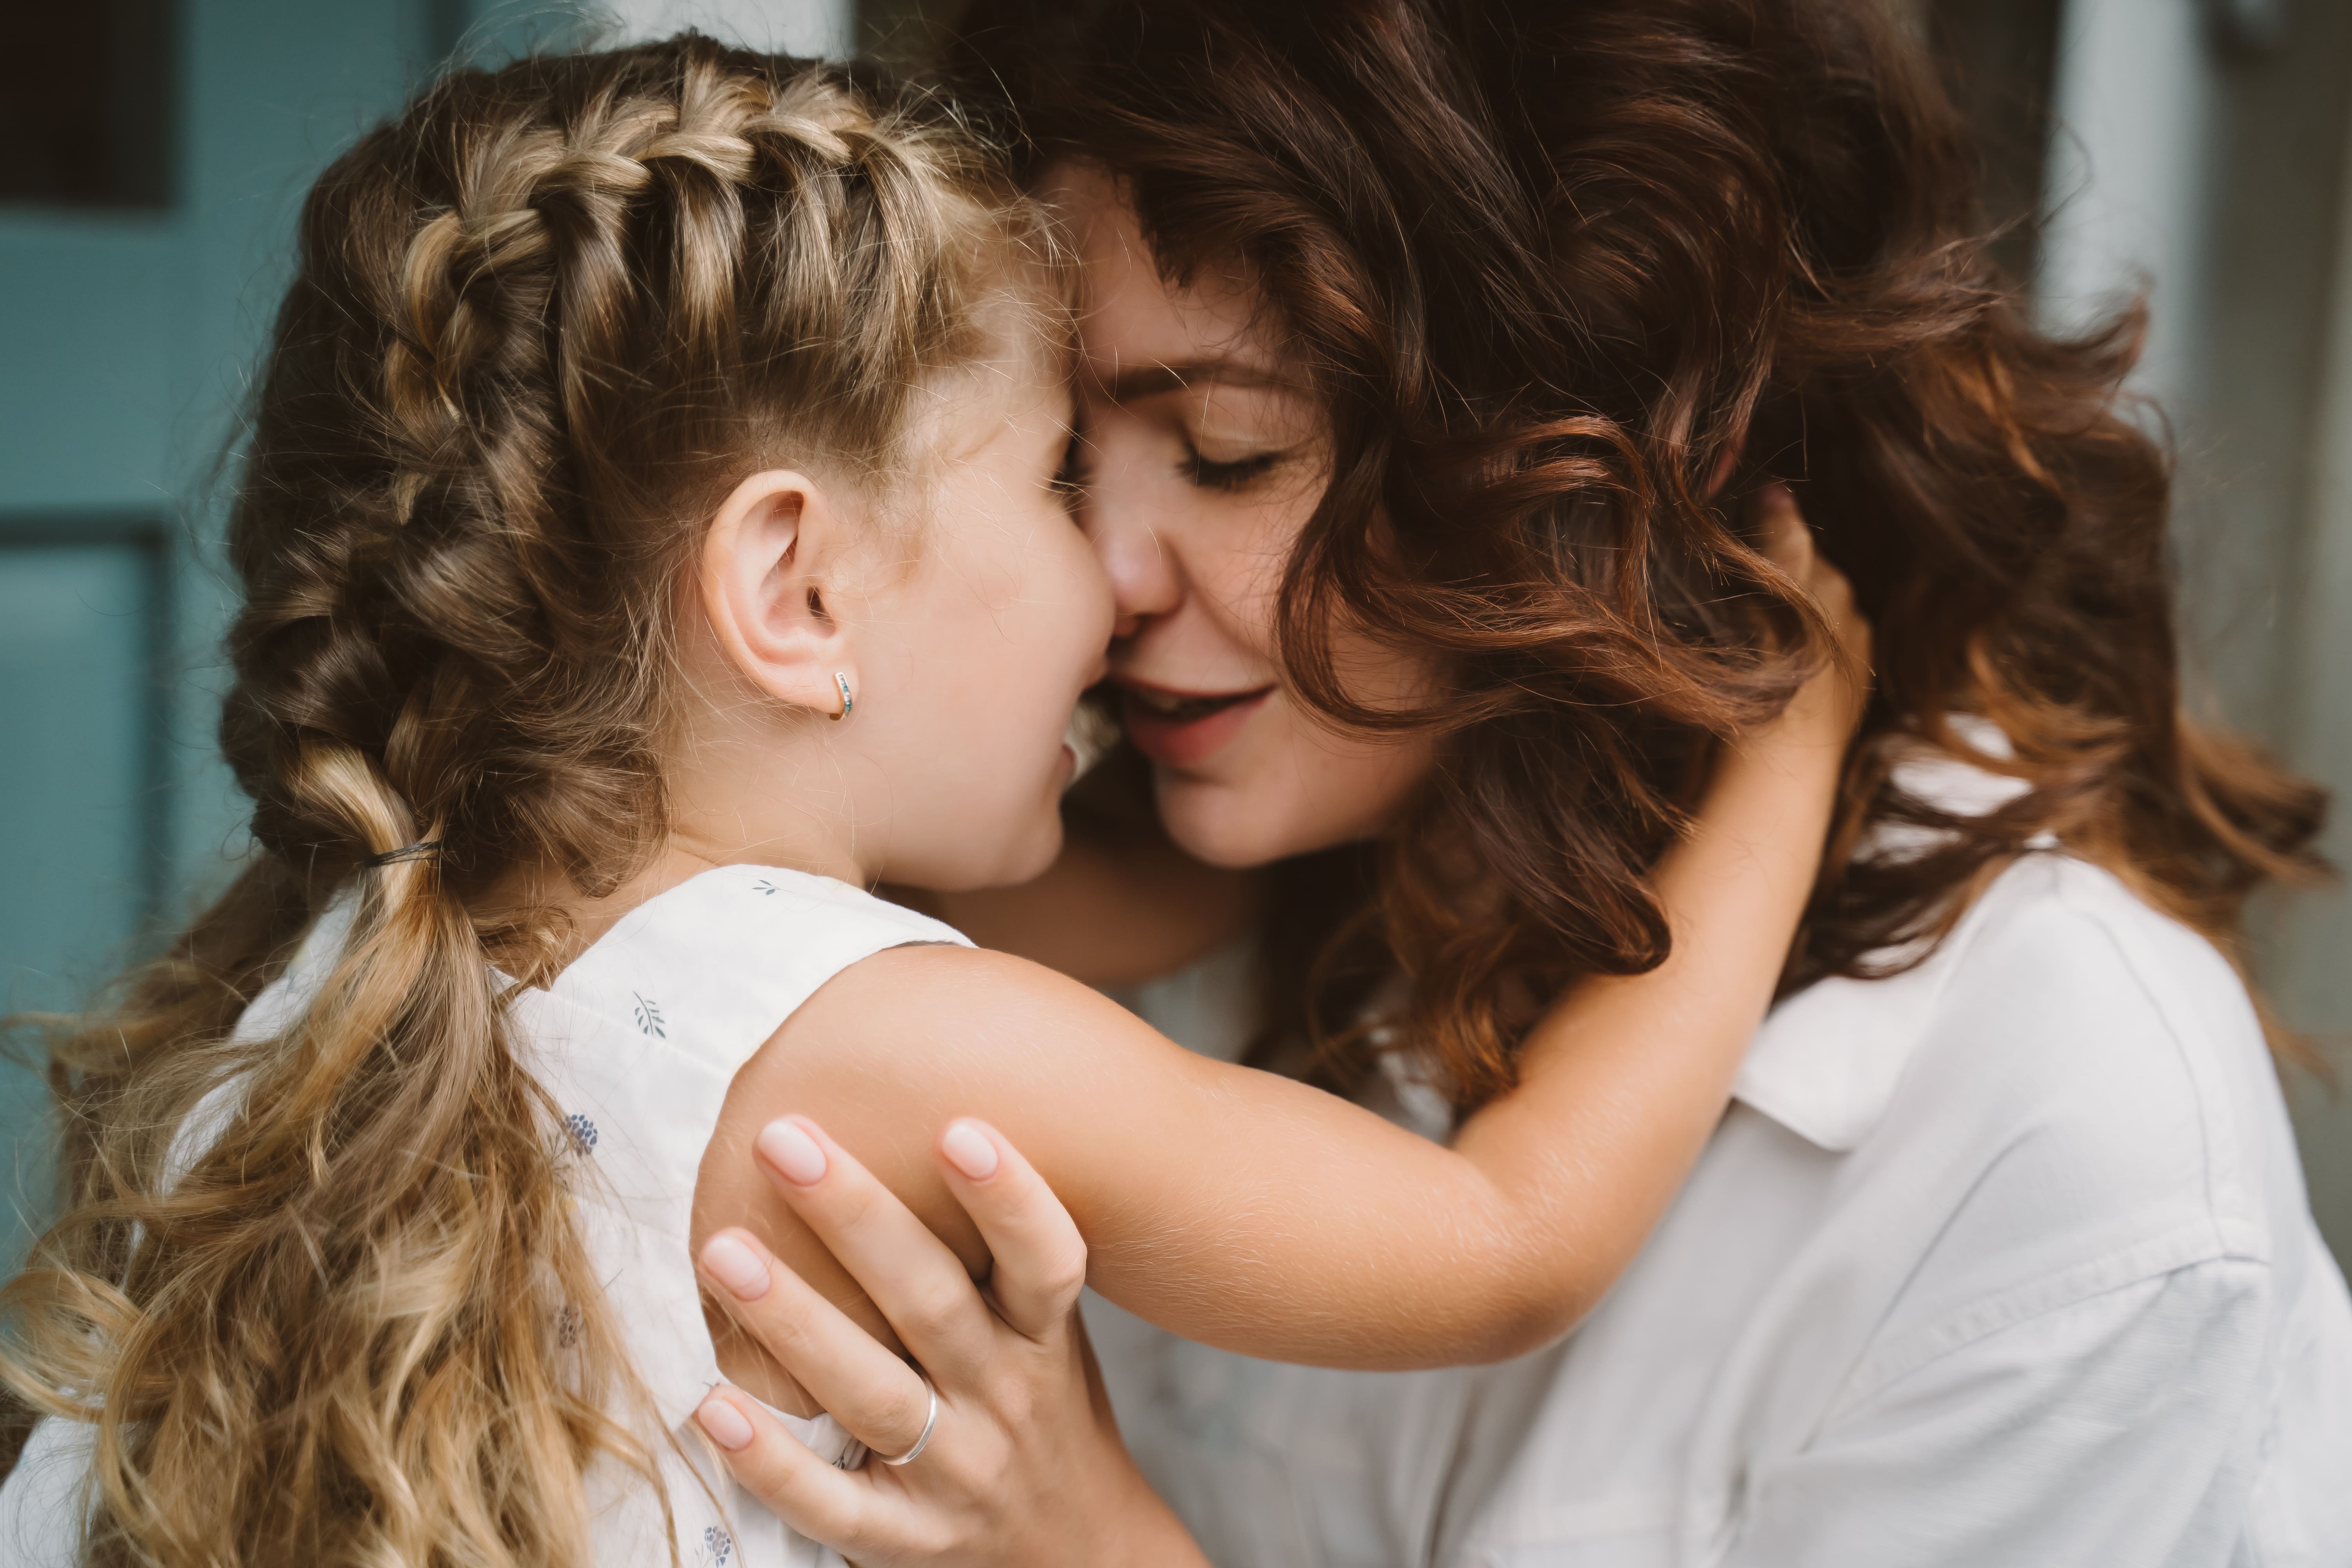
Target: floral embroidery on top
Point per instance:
(718, 1546)
(765, 885)
(582, 1131)
(649, 1018)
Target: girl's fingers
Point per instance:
(919, 1285)
(1040, 1260)
(829, 1506)
(877, 1397)
(1786, 542)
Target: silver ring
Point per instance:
(930, 1421)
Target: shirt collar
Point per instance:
(1826, 1061)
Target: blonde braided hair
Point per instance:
(542, 321)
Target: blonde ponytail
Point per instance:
(541, 322)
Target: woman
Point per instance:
(1448, 314)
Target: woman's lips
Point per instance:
(1184, 728)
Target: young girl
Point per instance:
(651, 535)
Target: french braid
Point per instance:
(542, 321)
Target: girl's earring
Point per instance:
(842, 681)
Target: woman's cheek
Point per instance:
(1252, 591)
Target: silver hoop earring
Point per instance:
(842, 681)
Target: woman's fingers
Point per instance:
(1026, 1465)
(1040, 1260)
(919, 1285)
(877, 1397)
(823, 1503)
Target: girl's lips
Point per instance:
(1197, 728)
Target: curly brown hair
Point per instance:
(1549, 264)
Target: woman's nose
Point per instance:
(1144, 577)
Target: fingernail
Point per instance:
(736, 1267)
(725, 1424)
(792, 1152)
(968, 1149)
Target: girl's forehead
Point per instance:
(1022, 381)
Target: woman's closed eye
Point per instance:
(1228, 473)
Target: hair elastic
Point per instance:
(427, 849)
(843, 681)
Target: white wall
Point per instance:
(2132, 117)
(2315, 942)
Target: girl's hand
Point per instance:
(1023, 1463)
(1831, 704)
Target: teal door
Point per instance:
(152, 153)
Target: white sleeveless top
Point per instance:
(637, 1042)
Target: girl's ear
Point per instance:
(769, 569)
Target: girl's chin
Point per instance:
(1020, 849)
(1008, 871)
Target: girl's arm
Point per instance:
(1250, 1212)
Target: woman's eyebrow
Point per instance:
(1131, 384)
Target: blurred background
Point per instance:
(152, 153)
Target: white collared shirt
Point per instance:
(2003, 1260)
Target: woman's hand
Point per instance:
(1023, 1463)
